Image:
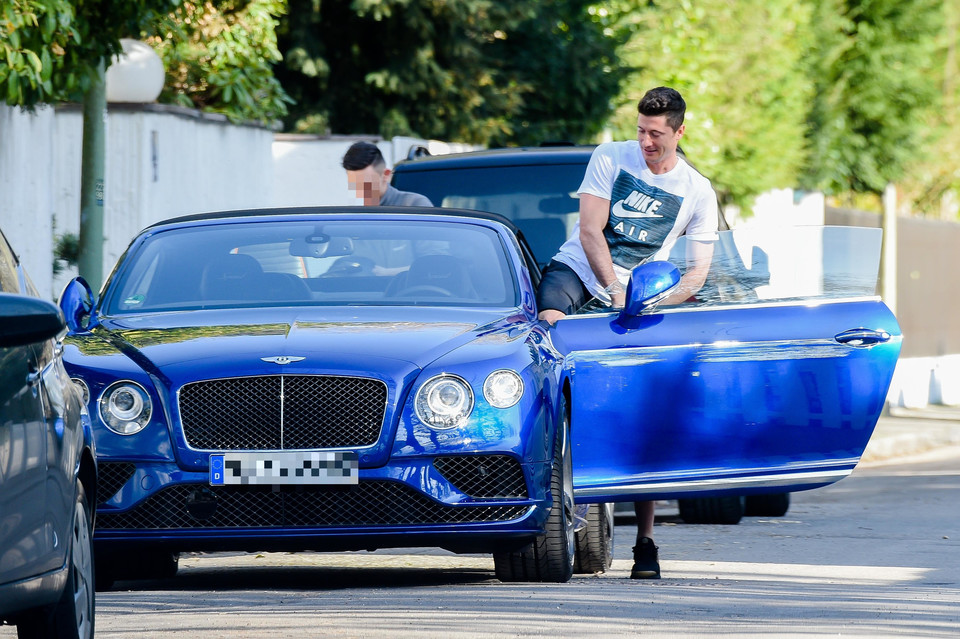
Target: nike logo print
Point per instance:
(621, 212)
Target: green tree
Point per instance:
(468, 70)
(931, 184)
(563, 61)
(50, 50)
(738, 66)
(219, 57)
(873, 90)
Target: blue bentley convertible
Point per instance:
(351, 378)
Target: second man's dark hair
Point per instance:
(664, 101)
(361, 154)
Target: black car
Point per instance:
(48, 472)
(536, 188)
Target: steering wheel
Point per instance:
(351, 265)
(424, 288)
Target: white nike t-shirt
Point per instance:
(648, 212)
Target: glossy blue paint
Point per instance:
(762, 391)
(649, 283)
(664, 402)
(76, 302)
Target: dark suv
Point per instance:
(536, 188)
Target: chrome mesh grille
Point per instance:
(283, 412)
(111, 476)
(373, 503)
(484, 476)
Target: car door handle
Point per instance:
(862, 337)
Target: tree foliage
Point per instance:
(738, 66)
(563, 61)
(468, 70)
(219, 57)
(931, 183)
(873, 90)
(50, 49)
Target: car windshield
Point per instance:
(281, 262)
(541, 200)
(777, 264)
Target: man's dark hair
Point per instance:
(362, 154)
(664, 101)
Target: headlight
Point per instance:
(445, 401)
(125, 408)
(83, 388)
(503, 388)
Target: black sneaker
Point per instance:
(645, 560)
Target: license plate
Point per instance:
(294, 467)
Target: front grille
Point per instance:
(283, 412)
(373, 503)
(111, 476)
(484, 476)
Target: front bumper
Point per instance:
(403, 505)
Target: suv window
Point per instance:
(535, 188)
(540, 199)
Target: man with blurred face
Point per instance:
(369, 178)
(636, 199)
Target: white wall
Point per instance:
(307, 170)
(28, 169)
(161, 162)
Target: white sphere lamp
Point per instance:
(136, 75)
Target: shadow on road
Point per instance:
(315, 578)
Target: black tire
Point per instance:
(72, 617)
(712, 510)
(775, 505)
(595, 541)
(550, 557)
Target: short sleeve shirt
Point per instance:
(648, 212)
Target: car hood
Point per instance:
(383, 342)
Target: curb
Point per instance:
(911, 431)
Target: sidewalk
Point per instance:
(908, 431)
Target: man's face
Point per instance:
(658, 141)
(369, 184)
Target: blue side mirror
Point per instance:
(649, 283)
(76, 302)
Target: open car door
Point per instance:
(771, 379)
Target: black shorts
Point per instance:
(561, 289)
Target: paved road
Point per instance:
(875, 555)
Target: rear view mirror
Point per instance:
(320, 245)
(76, 302)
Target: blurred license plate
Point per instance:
(293, 467)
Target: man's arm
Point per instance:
(699, 256)
(594, 214)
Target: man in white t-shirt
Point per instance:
(637, 197)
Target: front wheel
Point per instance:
(550, 557)
(72, 617)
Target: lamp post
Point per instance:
(134, 76)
